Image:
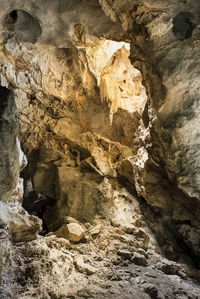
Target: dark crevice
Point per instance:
(183, 26)
(13, 15)
(26, 27)
(34, 203)
(165, 229)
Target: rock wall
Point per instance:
(15, 223)
(165, 43)
(64, 122)
(9, 154)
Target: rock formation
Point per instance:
(99, 185)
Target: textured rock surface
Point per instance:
(12, 161)
(165, 48)
(72, 231)
(98, 133)
(47, 268)
(9, 154)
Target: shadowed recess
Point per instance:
(24, 25)
(183, 26)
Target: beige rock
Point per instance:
(139, 259)
(140, 233)
(75, 232)
(9, 145)
(24, 232)
(21, 225)
(95, 230)
(72, 231)
(57, 242)
(82, 267)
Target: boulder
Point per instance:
(72, 231)
(21, 225)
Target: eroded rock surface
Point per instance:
(117, 261)
(165, 49)
(9, 153)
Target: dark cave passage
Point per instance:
(34, 203)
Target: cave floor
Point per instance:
(111, 264)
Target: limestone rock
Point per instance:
(80, 30)
(140, 233)
(54, 242)
(75, 232)
(125, 254)
(139, 259)
(95, 230)
(72, 231)
(21, 226)
(24, 232)
(83, 267)
(9, 155)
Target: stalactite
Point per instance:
(109, 92)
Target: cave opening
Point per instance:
(26, 27)
(34, 202)
(183, 25)
(13, 16)
(62, 179)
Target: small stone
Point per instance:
(83, 267)
(53, 242)
(125, 254)
(75, 232)
(140, 233)
(125, 239)
(115, 223)
(168, 268)
(151, 290)
(18, 232)
(142, 252)
(139, 259)
(129, 229)
(95, 230)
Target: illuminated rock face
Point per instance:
(120, 84)
(165, 46)
(21, 226)
(70, 136)
(107, 99)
